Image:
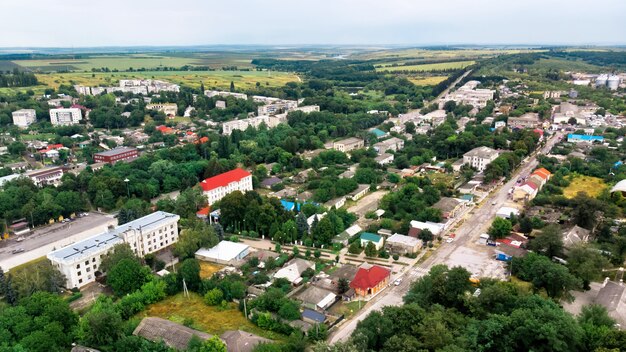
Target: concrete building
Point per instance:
(65, 117)
(293, 269)
(113, 156)
(480, 157)
(401, 244)
(80, 261)
(348, 144)
(243, 124)
(24, 117)
(46, 176)
(225, 252)
(384, 159)
(213, 93)
(469, 95)
(449, 207)
(169, 109)
(277, 107)
(528, 120)
(359, 192)
(216, 187)
(393, 144)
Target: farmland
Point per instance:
(427, 80)
(426, 67)
(593, 186)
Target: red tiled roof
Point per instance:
(224, 179)
(204, 211)
(368, 278)
(164, 129)
(543, 173)
(538, 131)
(51, 147)
(531, 185)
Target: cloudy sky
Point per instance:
(75, 23)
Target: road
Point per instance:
(467, 232)
(48, 238)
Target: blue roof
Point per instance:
(618, 163)
(584, 137)
(313, 315)
(367, 236)
(289, 206)
(378, 133)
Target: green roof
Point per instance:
(367, 236)
(378, 133)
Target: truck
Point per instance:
(503, 257)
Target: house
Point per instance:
(5, 179)
(528, 120)
(241, 341)
(336, 203)
(384, 159)
(402, 244)
(575, 236)
(347, 234)
(313, 317)
(505, 212)
(370, 279)
(433, 227)
(313, 218)
(292, 271)
(370, 237)
(24, 117)
(379, 133)
(611, 296)
(113, 156)
(540, 177)
(80, 261)
(225, 252)
(620, 187)
(172, 334)
(165, 130)
(579, 138)
(316, 298)
(65, 117)
(270, 181)
(348, 144)
(359, 192)
(216, 187)
(449, 207)
(393, 144)
(480, 157)
(526, 191)
(169, 109)
(331, 282)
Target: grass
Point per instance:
(208, 269)
(593, 186)
(211, 79)
(348, 309)
(427, 81)
(212, 320)
(426, 67)
(39, 136)
(421, 54)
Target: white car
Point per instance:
(449, 240)
(397, 282)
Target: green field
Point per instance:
(422, 54)
(427, 81)
(426, 67)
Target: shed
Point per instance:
(174, 335)
(313, 317)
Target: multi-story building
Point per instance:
(213, 93)
(348, 144)
(65, 117)
(528, 120)
(277, 107)
(80, 261)
(169, 109)
(116, 155)
(46, 176)
(243, 124)
(24, 117)
(134, 86)
(393, 143)
(480, 157)
(469, 95)
(216, 187)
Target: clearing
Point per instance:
(427, 81)
(208, 269)
(593, 186)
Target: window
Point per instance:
(88, 269)
(78, 266)
(94, 267)
(86, 262)
(79, 273)
(93, 260)
(80, 281)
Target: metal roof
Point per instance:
(116, 151)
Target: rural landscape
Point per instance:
(159, 193)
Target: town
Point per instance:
(313, 199)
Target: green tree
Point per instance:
(102, 325)
(500, 228)
(190, 272)
(119, 252)
(426, 236)
(549, 242)
(214, 297)
(343, 285)
(586, 264)
(370, 249)
(214, 344)
(127, 276)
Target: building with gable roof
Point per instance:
(216, 187)
(370, 279)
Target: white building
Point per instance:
(480, 157)
(348, 144)
(384, 159)
(65, 117)
(216, 187)
(24, 117)
(225, 252)
(80, 261)
(46, 176)
(469, 95)
(243, 124)
(169, 109)
(213, 93)
(393, 144)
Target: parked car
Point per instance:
(397, 282)
(16, 251)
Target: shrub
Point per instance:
(396, 257)
(213, 297)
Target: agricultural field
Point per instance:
(593, 186)
(422, 54)
(426, 67)
(213, 320)
(211, 79)
(427, 80)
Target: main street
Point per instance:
(467, 233)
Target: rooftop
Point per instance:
(402, 239)
(367, 236)
(370, 277)
(481, 152)
(174, 335)
(224, 179)
(224, 250)
(116, 151)
(241, 341)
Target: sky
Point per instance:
(85, 23)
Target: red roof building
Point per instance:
(51, 147)
(370, 280)
(216, 187)
(165, 130)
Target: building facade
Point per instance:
(113, 156)
(48, 176)
(80, 261)
(480, 157)
(24, 117)
(348, 144)
(169, 110)
(216, 187)
(65, 117)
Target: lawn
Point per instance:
(213, 320)
(426, 67)
(348, 309)
(593, 186)
(427, 81)
(40, 136)
(208, 269)
(211, 79)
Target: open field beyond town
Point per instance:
(427, 67)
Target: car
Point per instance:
(449, 240)
(452, 235)
(20, 239)
(18, 250)
(397, 282)
(494, 203)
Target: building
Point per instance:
(433, 227)
(393, 144)
(169, 109)
(347, 234)
(379, 133)
(540, 177)
(134, 86)
(313, 317)
(505, 212)
(292, 271)
(46, 176)
(449, 207)
(528, 120)
(359, 192)
(480, 157)
(113, 156)
(307, 109)
(579, 138)
(367, 237)
(241, 341)
(80, 261)
(225, 252)
(65, 117)
(220, 104)
(469, 95)
(213, 93)
(24, 117)
(402, 244)
(384, 159)
(527, 191)
(370, 279)
(216, 187)
(348, 144)
(255, 122)
(316, 298)
(174, 335)
(575, 236)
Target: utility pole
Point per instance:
(245, 309)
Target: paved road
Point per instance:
(51, 237)
(470, 230)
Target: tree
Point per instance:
(102, 325)
(214, 344)
(232, 86)
(214, 297)
(370, 249)
(289, 310)
(355, 248)
(301, 225)
(543, 273)
(119, 252)
(549, 242)
(198, 235)
(33, 277)
(426, 236)
(190, 272)
(500, 228)
(343, 285)
(586, 264)
(127, 276)
(525, 225)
